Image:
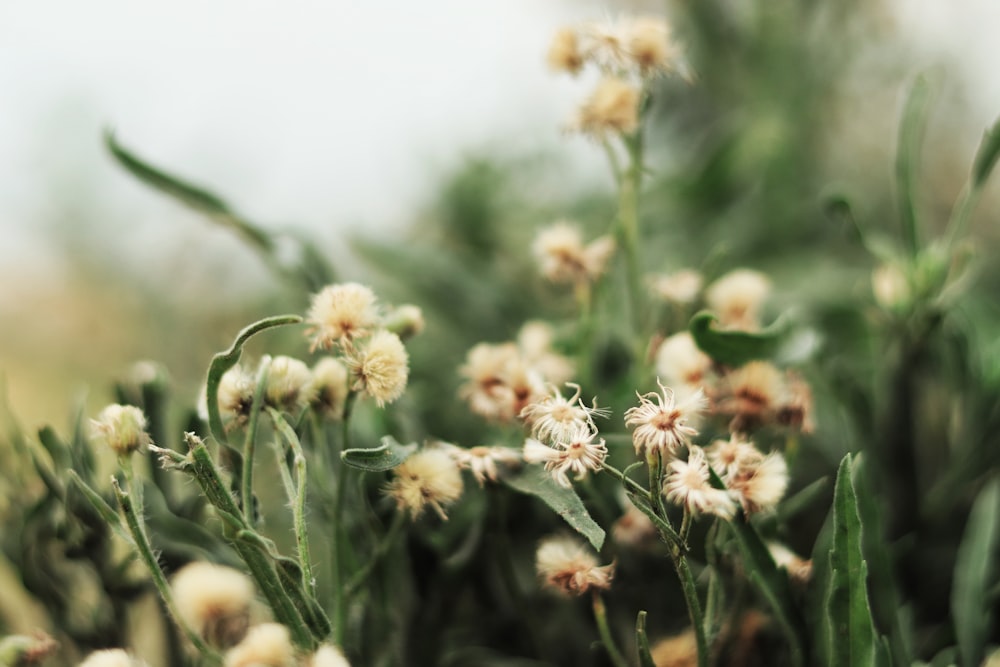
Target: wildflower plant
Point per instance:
(317, 509)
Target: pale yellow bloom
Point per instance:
(482, 461)
(751, 394)
(341, 313)
(500, 383)
(566, 566)
(405, 321)
(564, 51)
(650, 46)
(428, 478)
(380, 367)
(112, 657)
(214, 600)
(265, 645)
(679, 287)
(737, 298)
(289, 385)
(688, 484)
(328, 655)
(606, 44)
(760, 485)
(554, 417)
(728, 457)
(613, 108)
(122, 428)
(663, 426)
(681, 363)
(329, 384)
(799, 569)
(236, 390)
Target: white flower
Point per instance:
(760, 485)
(565, 565)
(662, 426)
(266, 645)
(555, 418)
(681, 363)
(340, 314)
(429, 477)
(214, 600)
(482, 461)
(380, 367)
(737, 297)
(122, 428)
(688, 484)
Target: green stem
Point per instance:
(133, 511)
(626, 481)
(383, 547)
(250, 444)
(959, 223)
(655, 463)
(337, 564)
(628, 231)
(601, 616)
(296, 494)
(693, 605)
(685, 524)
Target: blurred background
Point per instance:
(342, 118)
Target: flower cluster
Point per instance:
(563, 258)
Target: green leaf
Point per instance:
(975, 575)
(852, 630)
(386, 456)
(986, 155)
(101, 506)
(642, 641)
(223, 361)
(911, 136)
(533, 480)
(735, 348)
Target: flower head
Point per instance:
(759, 485)
(751, 394)
(580, 452)
(566, 566)
(265, 645)
(380, 367)
(535, 341)
(236, 390)
(799, 569)
(429, 477)
(328, 655)
(341, 313)
(122, 428)
(563, 257)
(555, 418)
(214, 600)
(682, 363)
(613, 108)
(329, 383)
(679, 287)
(662, 426)
(289, 385)
(737, 297)
(564, 51)
(500, 382)
(650, 46)
(728, 457)
(112, 657)
(687, 484)
(482, 461)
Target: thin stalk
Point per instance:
(383, 547)
(250, 443)
(685, 524)
(337, 512)
(628, 231)
(626, 481)
(958, 224)
(601, 616)
(133, 512)
(655, 463)
(693, 605)
(297, 495)
(585, 300)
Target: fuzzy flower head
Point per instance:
(563, 258)
(215, 601)
(122, 428)
(112, 657)
(380, 367)
(728, 457)
(651, 47)
(265, 645)
(341, 313)
(535, 341)
(289, 385)
(759, 485)
(799, 569)
(681, 363)
(483, 461)
(328, 655)
(329, 384)
(555, 418)
(405, 321)
(737, 298)
(564, 52)
(236, 390)
(566, 566)
(428, 478)
(613, 108)
(661, 422)
(499, 381)
(579, 453)
(606, 44)
(687, 484)
(751, 394)
(681, 287)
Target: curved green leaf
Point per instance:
(735, 348)
(386, 456)
(986, 156)
(533, 480)
(642, 641)
(975, 575)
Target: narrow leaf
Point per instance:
(642, 641)
(975, 575)
(100, 505)
(986, 156)
(533, 480)
(386, 456)
(911, 136)
(735, 348)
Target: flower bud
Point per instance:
(122, 428)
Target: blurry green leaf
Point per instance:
(975, 574)
(911, 136)
(533, 480)
(715, 604)
(735, 348)
(386, 456)
(54, 445)
(101, 506)
(852, 630)
(223, 361)
(642, 641)
(986, 156)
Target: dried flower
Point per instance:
(679, 287)
(122, 428)
(380, 367)
(289, 385)
(799, 569)
(760, 485)
(605, 44)
(663, 426)
(579, 453)
(563, 257)
(613, 108)
(500, 382)
(405, 321)
(564, 52)
(482, 461)
(341, 313)
(688, 484)
(751, 394)
(215, 601)
(535, 341)
(650, 46)
(113, 657)
(565, 565)
(265, 645)
(555, 418)
(681, 363)
(737, 297)
(634, 528)
(329, 383)
(236, 390)
(328, 655)
(680, 650)
(429, 477)
(728, 457)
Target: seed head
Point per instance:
(265, 645)
(688, 484)
(566, 566)
(564, 52)
(613, 108)
(215, 601)
(122, 428)
(289, 385)
(329, 383)
(429, 477)
(759, 485)
(681, 363)
(341, 313)
(737, 297)
(482, 461)
(380, 367)
(680, 287)
(661, 422)
(236, 390)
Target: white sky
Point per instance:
(309, 112)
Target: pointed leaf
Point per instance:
(975, 575)
(911, 136)
(386, 456)
(533, 480)
(735, 348)
(986, 156)
(642, 641)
